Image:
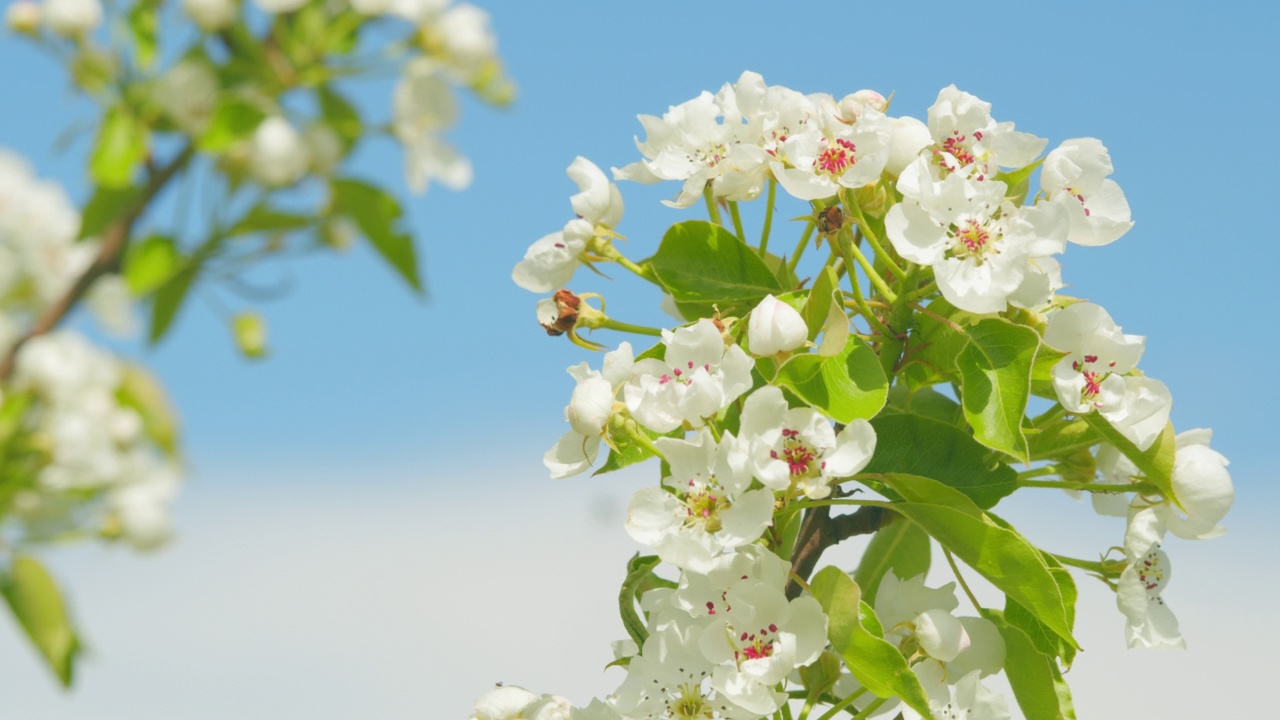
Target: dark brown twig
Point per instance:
(821, 531)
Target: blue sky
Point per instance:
(370, 387)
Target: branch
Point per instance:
(114, 241)
(820, 531)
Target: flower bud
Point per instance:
(23, 17)
(278, 154)
(853, 106)
(775, 327)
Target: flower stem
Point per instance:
(611, 324)
(1143, 488)
(1038, 472)
(1090, 565)
(713, 210)
(864, 308)
(801, 246)
(737, 222)
(768, 217)
(874, 706)
(847, 198)
(842, 704)
(955, 570)
(609, 252)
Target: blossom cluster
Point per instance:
(79, 458)
(763, 414)
(450, 45)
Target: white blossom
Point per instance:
(830, 154)
(588, 412)
(704, 509)
(1093, 374)
(786, 447)
(697, 378)
(1075, 175)
(1150, 623)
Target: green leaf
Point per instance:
(38, 607)
(264, 219)
(1062, 438)
(821, 297)
(936, 344)
(856, 634)
(999, 554)
(168, 300)
(915, 445)
(900, 546)
(1156, 462)
(925, 402)
(142, 392)
(376, 213)
(234, 120)
(340, 115)
(1045, 639)
(250, 331)
(844, 387)
(1018, 181)
(706, 268)
(144, 22)
(120, 148)
(104, 206)
(638, 572)
(150, 263)
(1037, 682)
(627, 453)
(995, 375)
(1042, 372)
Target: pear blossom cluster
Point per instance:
(943, 271)
(98, 472)
(451, 46)
(80, 459)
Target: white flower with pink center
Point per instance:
(704, 510)
(830, 154)
(689, 143)
(771, 113)
(697, 379)
(751, 634)
(1092, 375)
(981, 248)
(1150, 623)
(759, 639)
(590, 406)
(1075, 175)
(967, 138)
(671, 680)
(787, 448)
